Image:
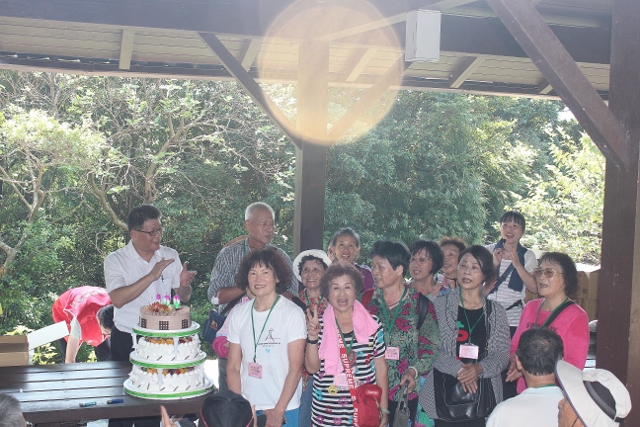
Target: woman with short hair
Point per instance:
(426, 261)
(266, 340)
(309, 267)
(451, 247)
(346, 333)
(344, 247)
(474, 338)
(557, 280)
(411, 341)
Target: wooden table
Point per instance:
(50, 395)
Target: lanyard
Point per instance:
(306, 296)
(389, 321)
(255, 342)
(471, 328)
(344, 340)
(554, 310)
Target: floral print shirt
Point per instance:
(417, 348)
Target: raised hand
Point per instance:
(313, 324)
(156, 271)
(186, 276)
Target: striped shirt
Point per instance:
(226, 266)
(331, 405)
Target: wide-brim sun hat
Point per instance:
(317, 253)
(226, 409)
(598, 397)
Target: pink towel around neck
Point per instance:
(363, 326)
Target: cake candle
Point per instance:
(176, 301)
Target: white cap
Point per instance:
(598, 397)
(317, 253)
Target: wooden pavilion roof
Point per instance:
(160, 38)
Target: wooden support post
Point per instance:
(311, 158)
(619, 293)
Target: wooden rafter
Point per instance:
(544, 87)
(250, 52)
(464, 70)
(355, 68)
(368, 98)
(561, 71)
(126, 49)
(252, 87)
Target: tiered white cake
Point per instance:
(167, 362)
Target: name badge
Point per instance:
(255, 370)
(469, 351)
(392, 353)
(340, 380)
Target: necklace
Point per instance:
(471, 328)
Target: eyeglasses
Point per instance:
(152, 233)
(546, 272)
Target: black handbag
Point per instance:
(455, 404)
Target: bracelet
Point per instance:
(383, 410)
(312, 341)
(416, 370)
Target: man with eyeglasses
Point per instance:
(135, 275)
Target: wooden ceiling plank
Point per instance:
(126, 49)
(561, 71)
(250, 53)
(465, 34)
(252, 87)
(368, 98)
(464, 70)
(360, 63)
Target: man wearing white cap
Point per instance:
(593, 398)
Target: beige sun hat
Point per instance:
(317, 253)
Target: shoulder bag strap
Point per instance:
(423, 309)
(489, 309)
(556, 313)
(366, 298)
(344, 358)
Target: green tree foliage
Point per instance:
(566, 207)
(438, 164)
(77, 153)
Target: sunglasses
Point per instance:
(546, 272)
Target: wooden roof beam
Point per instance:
(464, 70)
(561, 71)
(126, 49)
(368, 98)
(250, 52)
(359, 63)
(252, 87)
